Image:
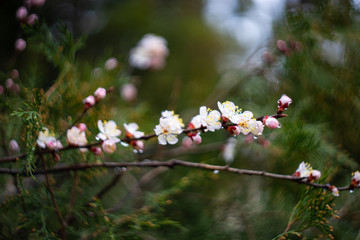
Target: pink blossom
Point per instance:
(128, 92)
(284, 101)
(14, 146)
(197, 139)
(32, 19)
(96, 150)
(9, 83)
(109, 146)
(100, 94)
(271, 122)
(111, 64)
(89, 101)
(14, 74)
(20, 45)
(82, 127)
(21, 13)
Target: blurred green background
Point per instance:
(219, 50)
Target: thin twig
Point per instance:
(53, 199)
(171, 164)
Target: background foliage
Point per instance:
(65, 46)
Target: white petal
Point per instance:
(101, 126)
(172, 139)
(162, 139)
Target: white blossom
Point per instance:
(210, 119)
(230, 111)
(168, 129)
(76, 137)
(132, 130)
(108, 131)
(44, 137)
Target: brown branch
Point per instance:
(171, 164)
(53, 199)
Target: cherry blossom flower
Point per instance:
(304, 170)
(82, 127)
(356, 179)
(128, 92)
(210, 119)
(248, 124)
(54, 144)
(229, 111)
(168, 129)
(100, 94)
(45, 137)
(76, 137)
(150, 53)
(20, 45)
(334, 191)
(21, 13)
(315, 174)
(108, 131)
(132, 130)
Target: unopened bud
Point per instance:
(32, 19)
(128, 92)
(21, 13)
(1, 89)
(20, 45)
(82, 127)
(139, 145)
(187, 142)
(15, 88)
(100, 94)
(109, 146)
(14, 146)
(271, 122)
(37, 3)
(196, 139)
(284, 101)
(14, 74)
(111, 63)
(89, 102)
(281, 45)
(96, 150)
(9, 83)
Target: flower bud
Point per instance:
(89, 102)
(15, 88)
(37, 3)
(196, 139)
(100, 94)
(20, 45)
(32, 19)
(271, 122)
(281, 45)
(9, 83)
(187, 142)
(14, 146)
(21, 13)
(82, 127)
(109, 146)
(139, 145)
(128, 92)
(54, 144)
(96, 150)
(14, 74)
(1, 89)
(111, 63)
(284, 102)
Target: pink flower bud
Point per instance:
(9, 83)
(14, 74)
(196, 139)
(96, 150)
(21, 13)
(109, 146)
(82, 127)
(187, 142)
(271, 122)
(128, 92)
(281, 45)
(14, 146)
(111, 63)
(20, 45)
(284, 101)
(89, 102)
(54, 144)
(15, 88)
(100, 94)
(32, 19)
(139, 145)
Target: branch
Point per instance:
(170, 164)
